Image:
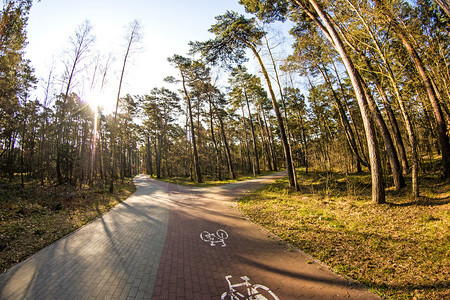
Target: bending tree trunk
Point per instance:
(440, 121)
(399, 180)
(286, 148)
(378, 193)
(343, 117)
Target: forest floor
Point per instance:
(400, 250)
(33, 217)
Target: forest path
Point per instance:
(175, 242)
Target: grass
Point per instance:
(34, 217)
(400, 250)
(186, 181)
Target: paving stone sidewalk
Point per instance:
(168, 242)
(114, 257)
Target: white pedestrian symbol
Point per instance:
(254, 291)
(213, 239)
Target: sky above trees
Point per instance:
(167, 27)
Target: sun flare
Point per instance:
(104, 101)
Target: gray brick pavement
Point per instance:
(116, 256)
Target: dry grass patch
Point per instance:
(400, 250)
(33, 217)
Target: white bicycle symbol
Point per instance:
(213, 239)
(254, 291)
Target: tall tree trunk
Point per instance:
(409, 128)
(285, 114)
(355, 129)
(158, 156)
(395, 129)
(213, 138)
(378, 193)
(271, 141)
(255, 149)
(284, 140)
(265, 142)
(191, 123)
(303, 140)
(440, 121)
(445, 5)
(410, 131)
(250, 164)
(343, 118)
(399, 180)
(225, 142)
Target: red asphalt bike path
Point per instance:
(192, 268)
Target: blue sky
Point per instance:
(168, 26)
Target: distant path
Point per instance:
(150, 246)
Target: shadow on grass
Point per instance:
(423, 201)
(439, 288)
(334, 184)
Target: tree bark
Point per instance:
(255, 149)
(149, 156)
(399, 180)
(191, 123)
(286, 148)
(271, 141)
(216, 148)
(225, 142)
(440, 121)
(445, 5)
(250, 164)
(343, 118)
(265, 142)
(378, 193)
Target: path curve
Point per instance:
(150, 247)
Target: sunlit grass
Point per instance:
(400, 249)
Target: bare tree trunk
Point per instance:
(378, 193)
(440, 121)
(445, 5)
(294, 173)
(134, 36)
(250, 164)
(397, 176)
(395, 130)
(225, 142)
(266, 144)
(191, 123)
(284, 140)
(355, 130)
(343, 118)
(255, 149)
(271, 141)
(81, 43)
(409, 128)
(213, 138)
